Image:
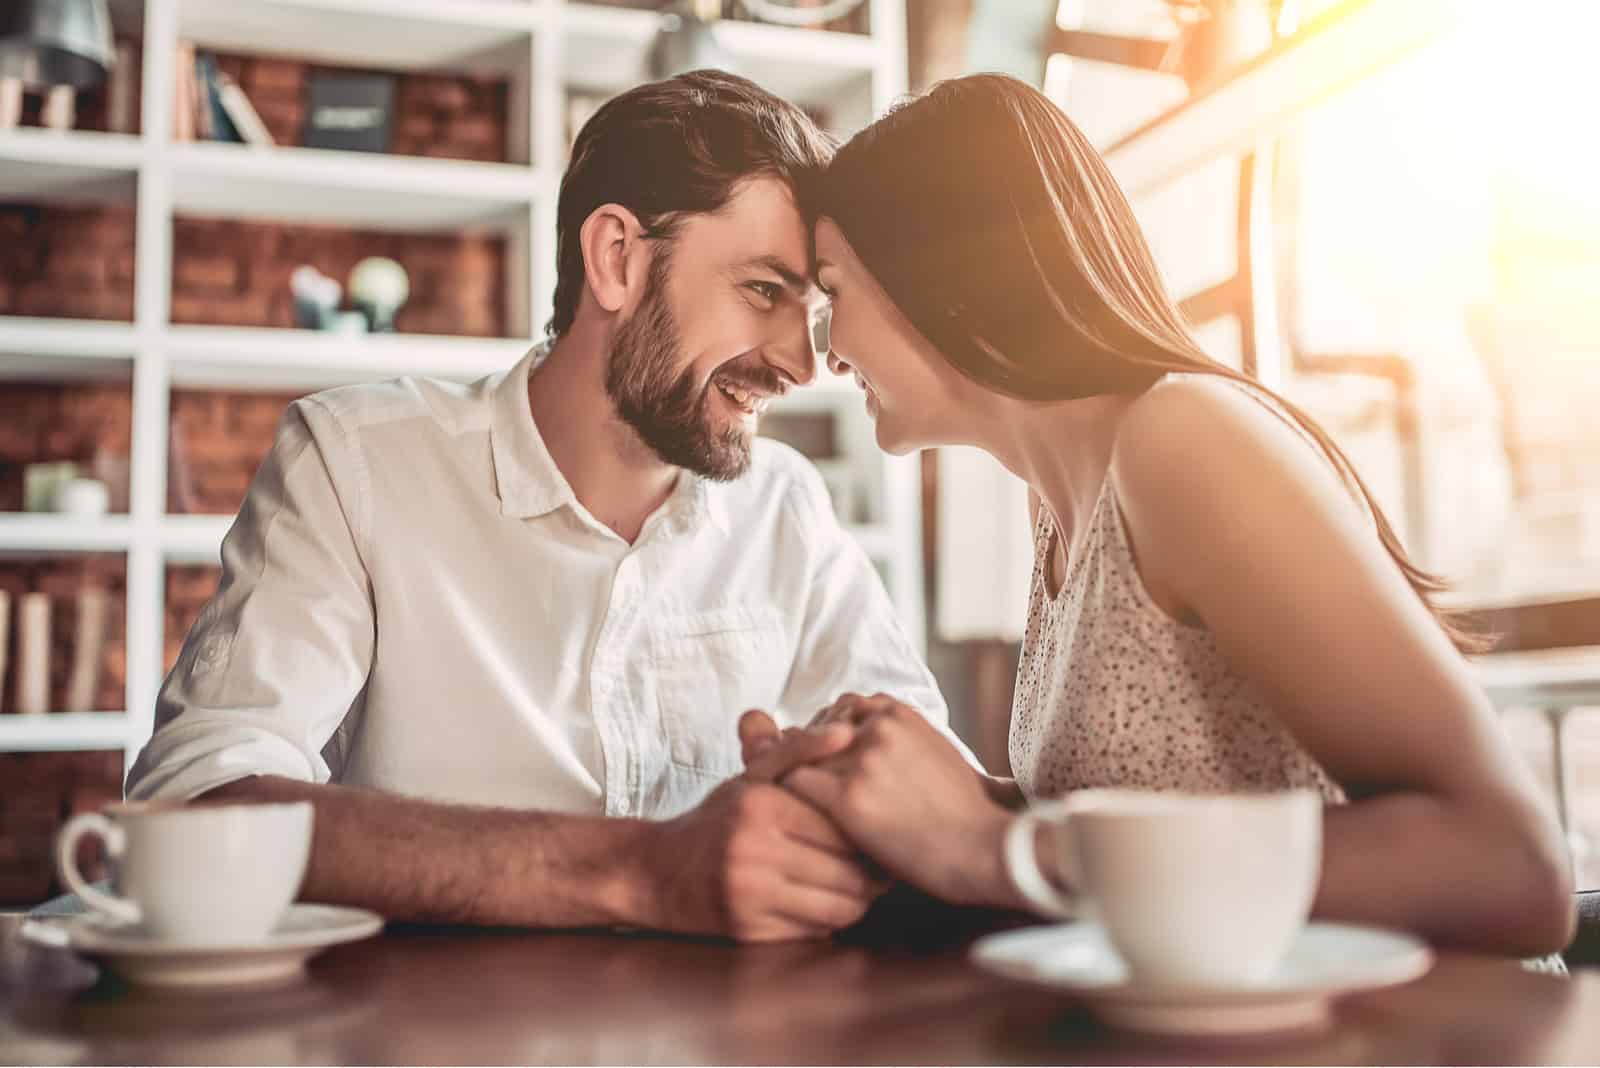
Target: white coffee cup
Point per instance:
(202, 874)
(1192, 890)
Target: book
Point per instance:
(88, 643)
(33, 653)
(120, 91)
(10, 103)
(5, 642)
(213, 116)
(184, 111)
(245, 118)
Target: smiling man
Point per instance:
(501, 634)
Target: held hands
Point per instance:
(891, 782)
(757, 864)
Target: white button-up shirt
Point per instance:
(414, 600)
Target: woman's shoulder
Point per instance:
(1198, 450)
(1190, 426)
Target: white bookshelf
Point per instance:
(545, 48)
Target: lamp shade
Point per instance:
(55, 42)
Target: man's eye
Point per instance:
(769, 291)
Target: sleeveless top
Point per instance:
(1113, 691)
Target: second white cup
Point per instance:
(1192, 890)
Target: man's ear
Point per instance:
(614, 255)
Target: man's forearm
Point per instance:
(423, 861)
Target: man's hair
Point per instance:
(673, 148)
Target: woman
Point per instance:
(1218, 604)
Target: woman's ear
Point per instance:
(613, 255)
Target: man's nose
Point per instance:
(791, 353)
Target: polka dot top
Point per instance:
(1112, 691)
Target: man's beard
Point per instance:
(670, 414)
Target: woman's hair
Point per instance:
(997, 229)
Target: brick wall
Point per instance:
(188, 589)
(218, 440)
(69, 262)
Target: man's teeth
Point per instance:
(743, 397)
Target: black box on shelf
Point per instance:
(349, 111)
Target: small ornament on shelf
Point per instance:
(379, 288)
(40, 483)
(316, 298)
(82, 497)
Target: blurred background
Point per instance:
(1386, 208)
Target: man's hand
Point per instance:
(754, 863)
(889, 780)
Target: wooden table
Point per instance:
(453, 996)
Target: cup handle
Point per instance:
(1022, 864)
(115, 840)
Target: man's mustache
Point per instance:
(758, 378)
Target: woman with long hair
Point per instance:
(1218, 603)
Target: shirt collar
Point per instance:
(526, 476)
(531, 485)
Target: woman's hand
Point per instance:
(900, 791)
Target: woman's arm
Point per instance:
(1258, 538)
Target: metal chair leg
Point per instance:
(1577, 841)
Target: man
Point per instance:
(535, 606)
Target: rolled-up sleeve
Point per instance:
(852, 641)
(281, 653)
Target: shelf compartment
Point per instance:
(481, 37)
(607, 49)
(68, 166)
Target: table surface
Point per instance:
(447, 995)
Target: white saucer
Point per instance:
(1328, 960)
(139, 957)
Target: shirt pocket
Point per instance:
(711, 667)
